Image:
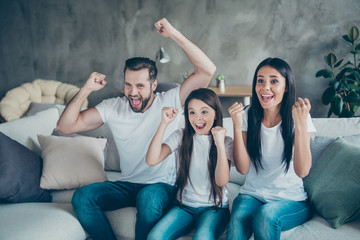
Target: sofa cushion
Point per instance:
(20, 171)
(333, 184)
(71, 162)
(25, 130)
(39, 221)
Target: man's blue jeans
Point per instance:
(209, 222)
(266, 220)
(90, 202)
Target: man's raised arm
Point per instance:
(204, 68)
(72, 120)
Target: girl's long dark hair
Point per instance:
(186, 147)
(256, 115)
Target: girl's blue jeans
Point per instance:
(210, 222)
(151, 200)
(265, 220)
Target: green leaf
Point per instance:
(355, 52)
(329, 112)
(346, 113)
(338, 63)
(357, 75)
(353, 87)
(350, 78)
(352, 97)
(346, 64)
(345, 86)
(346, 38)
(325, 73)
(335, 84)
(337, 105)
(341, 74)
(328, 95)
(357, 47)
(331, 59)
(353, 33)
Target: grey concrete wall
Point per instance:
(67, 40)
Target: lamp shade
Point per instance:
(163, 56)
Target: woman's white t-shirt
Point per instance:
(272, 183)
(197, 193)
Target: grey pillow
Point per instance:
(319, 144)
(38, 107)
(20, 171)
(333, 185)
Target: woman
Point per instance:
(271, 146)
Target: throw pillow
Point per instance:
(333, 185)
(25, 130)
(20, 171)
(70, 163)
(319, 144)
(112, 157)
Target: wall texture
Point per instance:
(67, 40)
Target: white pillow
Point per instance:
(70, 163)
(25, 130)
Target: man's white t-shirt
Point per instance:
(272, 183)
(133, 133)
(197, 193)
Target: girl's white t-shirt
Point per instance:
(272, 183)
(197, 193)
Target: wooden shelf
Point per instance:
(233, 91)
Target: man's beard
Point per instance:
(144, 103)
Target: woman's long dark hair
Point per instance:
(256, 115)
(186, 147)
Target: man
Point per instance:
(133, 121)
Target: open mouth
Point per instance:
(200, 126)
(135, 102)
(266, 97)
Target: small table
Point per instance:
(234, 91)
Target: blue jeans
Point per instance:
(210, 222)
(266, 220)
(90, 202)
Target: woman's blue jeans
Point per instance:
(179, 221)
(265, 220)
(90, 202)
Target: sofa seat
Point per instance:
(40, 221)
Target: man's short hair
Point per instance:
(138, 63)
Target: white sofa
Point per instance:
(56, 219)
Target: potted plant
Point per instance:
(220, 81)
(343, 93)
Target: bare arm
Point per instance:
(241, 157)
(302, 153)
(222, 170)
(72, 120)
(157, 151)
(204, 68)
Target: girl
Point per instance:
(275, 155)
(203, 169)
